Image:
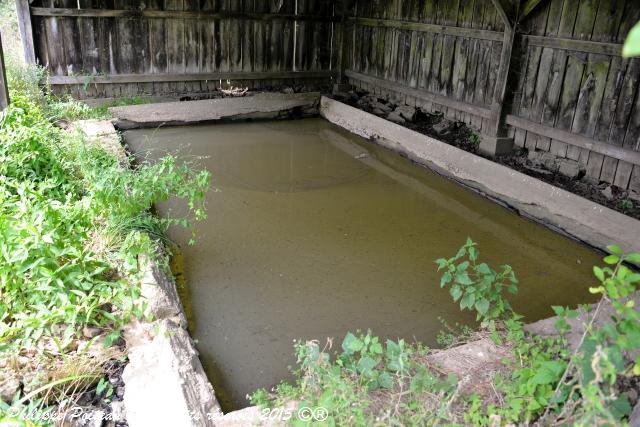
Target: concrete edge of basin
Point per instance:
(575, 216)
(261, 106)
(165, 382)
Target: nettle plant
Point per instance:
(476, 285)
(590, 391)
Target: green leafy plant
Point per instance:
(476, 285)
(74, 221)
(632, 43)
(595, 370)
(625, 204)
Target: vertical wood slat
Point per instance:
(26, 30)
(4, 88)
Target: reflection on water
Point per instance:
(315, 232)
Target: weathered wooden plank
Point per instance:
(26, 31)
(4, 88)
(555, 25)
(149, 78)
(575, 140)
(528, 7)
(608, 20)
(420, 94)
(540, 95)
(430, 28)
(575, 45)
(175, 39)
(175, 14)
(528, 91)
(625, 102)
(634, 182)
(157, 41)
(623, 173)
(609, 167)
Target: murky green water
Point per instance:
(314, 232)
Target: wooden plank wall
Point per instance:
(419, 51)
(458, 67)
(586, 93)
(150, 52)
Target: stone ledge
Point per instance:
(566, 212)
(257, 107)
(101, 133)
(165, 383)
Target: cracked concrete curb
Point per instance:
(261, 106)
(561, 210)
(165, 383)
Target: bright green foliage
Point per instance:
(475, 285)
(597, 368)
(632, 43)
(542, 383)
(343, 386)
(73, 220)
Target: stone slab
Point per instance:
(573, 215)
(259, 106)
(103, 134)
(165, 383)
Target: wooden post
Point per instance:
(342, 84)
(494, 139)
(4, 89)
(26, 30)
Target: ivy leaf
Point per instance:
(468, 300)
(482, 305)
(385, 380)
(464, 279)
(455, 292)
(365, 365)
(549, 372)
(635, 258)
(598, 273)
(446, 278)
(611, 259)
(483, 269)
(351, 344)
(615, 249)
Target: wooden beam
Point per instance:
(528, 7)
(507, 12)
(421, 94)
(340, 40)
(4, 88)
(590, 144)
(497, 126)
(429, 28)
(151, 78)
(177, 14)
(600, 48)
(26, 31)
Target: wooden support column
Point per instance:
(26, 30)
(342, 83)
(4, 89)
(495, 140)
(528, 7)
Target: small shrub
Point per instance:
(476, 285)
